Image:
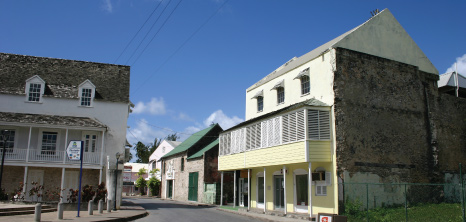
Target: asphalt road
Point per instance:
(172, 211)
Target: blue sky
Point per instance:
(193, 67)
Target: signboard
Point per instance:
(126, 177)
(74, 150)
(170, 171)
(325, 217)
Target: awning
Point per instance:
(49, 120)
(302, 73)
(279, 84)
(259, 93)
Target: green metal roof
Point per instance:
(190, 141)
(205, 149)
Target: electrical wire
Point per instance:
(179, 48)
(131, 41)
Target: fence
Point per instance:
(403, 202)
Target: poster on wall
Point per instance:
(325, 217)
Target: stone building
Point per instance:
(48, 102)
(190, 171)
(362, 108)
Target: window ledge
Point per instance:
(86, 106)
(38, 102)
(306, 94)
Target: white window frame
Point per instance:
(86, 85)
(300, 208)
(89, 148)
(321, 186)
(303, 86)
(261, 105)
(57, 144)
(31, 81)
(259, 205)
(280, 95)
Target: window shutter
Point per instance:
(324, 191)
(264, 134)
(292, 125)
(285, 134)
(276, 131)
(313, 124)
(258, 135)
(328, 178)
(248, 138)
(300, 125)
(324, 125)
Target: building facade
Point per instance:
(363, 107)
(46, 103)
(190, 171)
(154, 159)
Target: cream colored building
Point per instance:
(287, 145)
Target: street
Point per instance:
(173, 211)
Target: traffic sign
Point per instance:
(74, 150)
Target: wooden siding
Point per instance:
(278, 155)
(320, 151)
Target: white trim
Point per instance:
(41, 134)
(66, 144)
(25, 180)
(87, 84)
(234, 189)
(259, 205)
(35, 80)
(29, 144)
(299, 208)
(310, 188)
(249, 189)
(51, 126)
(62, 184)
(265, 191)
(221, 189)
(284, 189)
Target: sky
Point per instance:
(192, 60)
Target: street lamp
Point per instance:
(6, 136)
(116, 176)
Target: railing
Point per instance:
(16, 154)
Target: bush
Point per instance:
(87, 193)
(141, 183)
(154, 185)
(100, 192)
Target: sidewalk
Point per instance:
(127, 212)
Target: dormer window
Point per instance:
(34, 89)
(305, 82)
(86, 94)
(280, 87)
(259, 96)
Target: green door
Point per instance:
(192, 189)
(170, 189)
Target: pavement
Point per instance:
(127, 212)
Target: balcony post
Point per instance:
(29, 146)
(265, 189)
(25, 180)
(234, 189)
(249, 188)
(284, 189)
(62, 192)
(310, 189)
(64, 153)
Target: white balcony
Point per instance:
(49, 156)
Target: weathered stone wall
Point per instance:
(381, 119)
(451, 133)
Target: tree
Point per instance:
(154, 185)
(143, 151)
(141, 172)
(141, 183)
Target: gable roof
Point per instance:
(203, 150)
(190, 141)
(62, 77)
(174, 143)
(448, 79)
(382, 35)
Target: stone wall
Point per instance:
(380, 119)
(392, 126)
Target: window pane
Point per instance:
(10, 142)
(34, 92)
(260, 103)
(280, 95)
(86, 97)
(49, 142)
(305, 85)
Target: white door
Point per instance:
(71, 182)
(36, 176)
(243, 192)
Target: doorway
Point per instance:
(192, 189)
(169, 189)
(279, 192)
(36, 176)
(243, 192)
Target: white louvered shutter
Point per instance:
(328, 178)
(324, 125)
(313, 124)
(285, 129)
(300, 125)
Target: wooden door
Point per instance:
(192, 192)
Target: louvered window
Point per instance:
(318, 124)
(293, 127)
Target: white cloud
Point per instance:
(154, 107)
(144, 133)
(461, 61)
(222, 119)
(108, 6)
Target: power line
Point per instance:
(133, 135)
(157, 32)
(131, 41)
(182, 45)
(145, 36)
